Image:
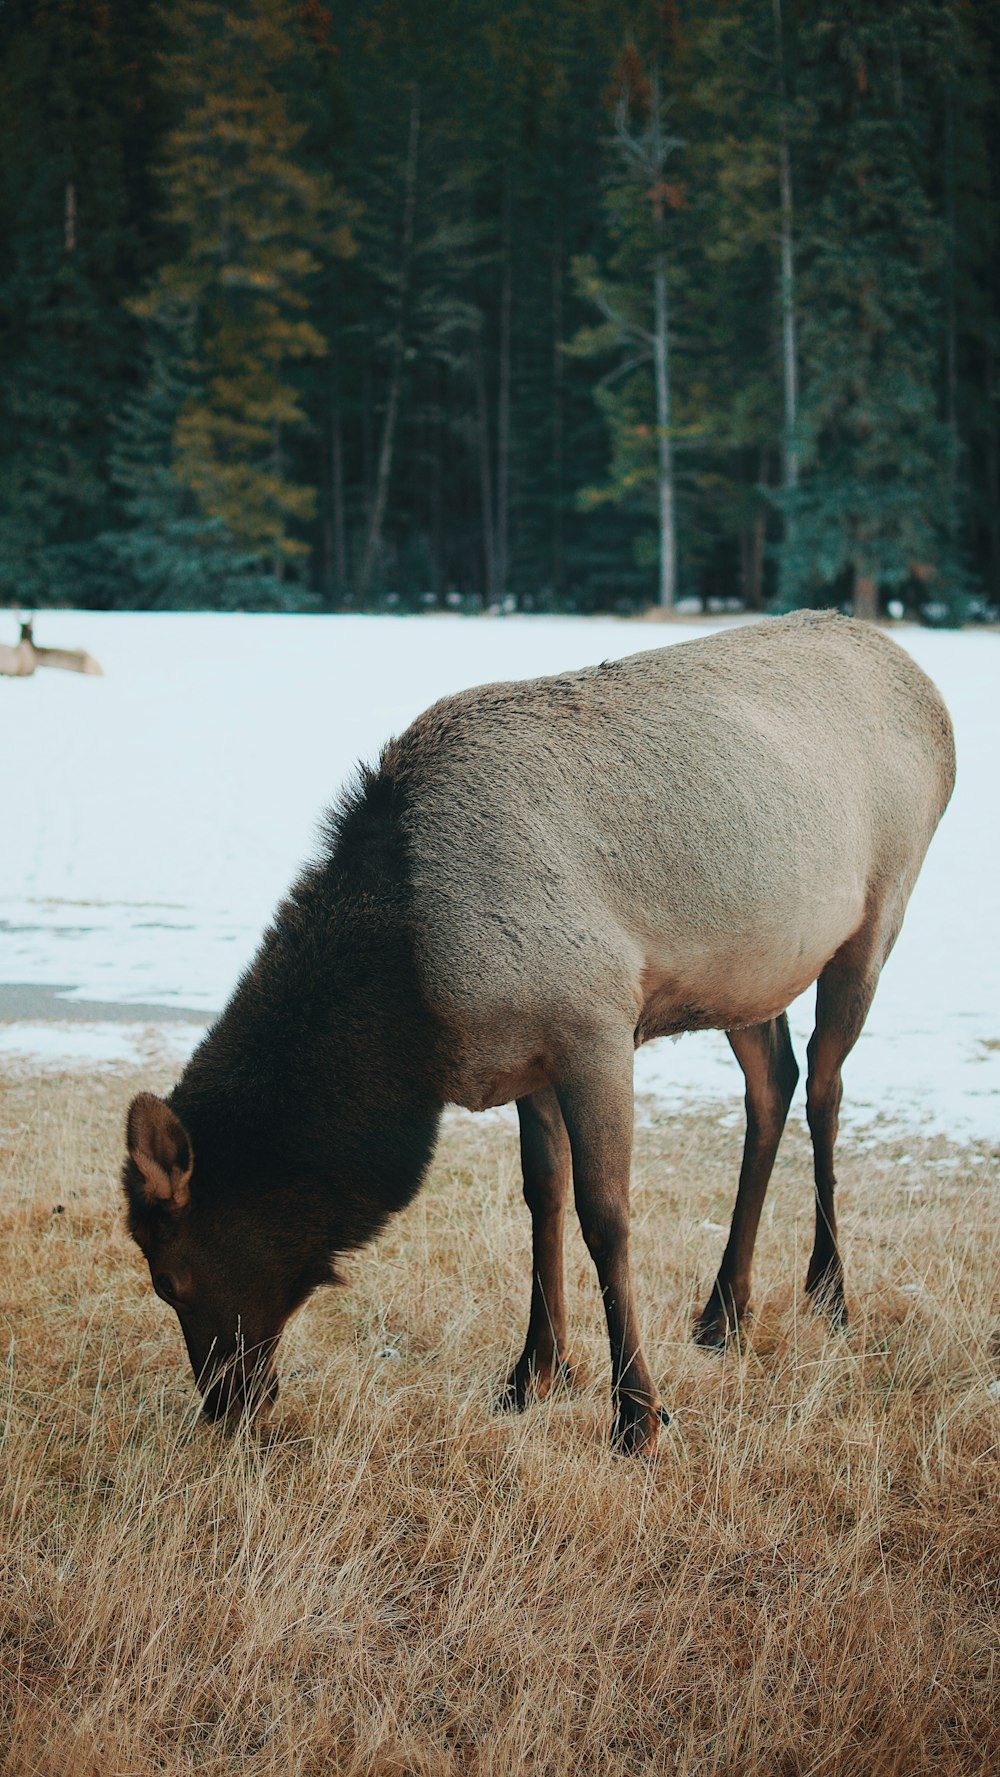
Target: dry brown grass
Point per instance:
(804, 1581)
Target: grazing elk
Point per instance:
(537, 878)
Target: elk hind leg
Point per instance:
(764, 1052)
(843, 996)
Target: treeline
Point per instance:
(571, 306)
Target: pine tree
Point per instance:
(633, 296)
(736, 330)
(165, 554)
(411, 344)
(529, 111)
(246, 214)
(187, 354)
(72, 247)
(872, 509)
(963, 159)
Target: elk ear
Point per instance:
(160, 1146)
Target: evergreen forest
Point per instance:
(492, 304)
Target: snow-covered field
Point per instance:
(151, 819)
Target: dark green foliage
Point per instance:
(245, 213)
(288, 309)
(168, 554)
(875, 504)
(73, 248)
(635, 299)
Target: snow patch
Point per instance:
(24, 1047)
(153, 817)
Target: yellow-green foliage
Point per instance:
(398, 1581)
(247, 210)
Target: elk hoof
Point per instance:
(527, 1383)
(719, 1322)
(515, 1393)
(637, 1428)
(827, 1295)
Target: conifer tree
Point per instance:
(414, 320)
(165, 553)
(872, 509)
(72, 248)
(962, 155)
(633, 296)
(246, 215)
(186, 354)
(529, 111)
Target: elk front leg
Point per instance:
(545, 1164)
(596, 1102)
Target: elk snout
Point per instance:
(239, 1392)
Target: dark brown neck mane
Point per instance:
(319, 1078)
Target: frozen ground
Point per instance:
(152, 818)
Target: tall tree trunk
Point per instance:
(339, 524)
(333, 540)
(661, 370)
(278, 470)
(646, 156)
(327, 574)
(337, 545)
(744, 544)
(485, 476)
(865, 593)
(373, 541)
(789, 354)
(367, 435)
(755, 590)
(992, 474)
(436, 516)
(503, 404)
(664, 451)
(752, 542)
(951, 245)
(556, 569)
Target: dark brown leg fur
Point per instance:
(545, 1164)
(764, 1052)
(596, 1102)
(843, 997)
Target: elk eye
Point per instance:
(165, 1287)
